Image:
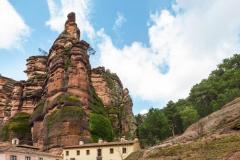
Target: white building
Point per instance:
(24, 152)
(101, 150)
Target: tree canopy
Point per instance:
(211, 94)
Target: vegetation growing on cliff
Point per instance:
(221, 87)
(109, 78)
(38, 112)
(100, 127)
(96, 104)
(65, 114)
(18, 126)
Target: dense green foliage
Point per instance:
(18, 126)
(96, 104)
(100, 127)
(154, 127)
(221, 87)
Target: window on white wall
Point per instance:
(13, 157)
(99, 152)
(124, 150)
(111, 151)
(87, 152)
(27, 158)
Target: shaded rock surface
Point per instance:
(116, 100)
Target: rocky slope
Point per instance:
(216, 136)
(61, 93)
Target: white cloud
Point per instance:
(59, 10)
(192, 42)
(13, 29)
(120, 20)
(144, 111)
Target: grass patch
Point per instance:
(202, 150)
(67, 113)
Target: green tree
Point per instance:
(188, 115)
(174, 119)
(221, 87)
(100, 127)
(154, 128)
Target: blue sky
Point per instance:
(159, 48)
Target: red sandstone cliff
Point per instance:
(6, 88)
(116, 100)
(60, 94)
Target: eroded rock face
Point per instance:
(116, 100)
(16, 100)
(68, 76)
(6, 88)
(62, 91)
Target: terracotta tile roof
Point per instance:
(26, 150)
(103, 144)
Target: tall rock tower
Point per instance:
(66, 100)
(68, 65)
(61, 117)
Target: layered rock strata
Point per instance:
(116, 100)
(67, 85)
(27, 93)
(62, 92)
(6, 88)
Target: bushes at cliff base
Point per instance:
(18, 126)
(100, 127)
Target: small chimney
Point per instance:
(81, 143)
(100, 141)
(136, 139)
(123, 139)
(15, 141)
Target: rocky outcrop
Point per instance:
(221, 121)
(27, 93)
(116, 100)
(67, 85)
(60, 95)
(213, 137)
(16, 99)
(6, 88)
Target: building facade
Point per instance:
(25, 152)
(101, 150)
